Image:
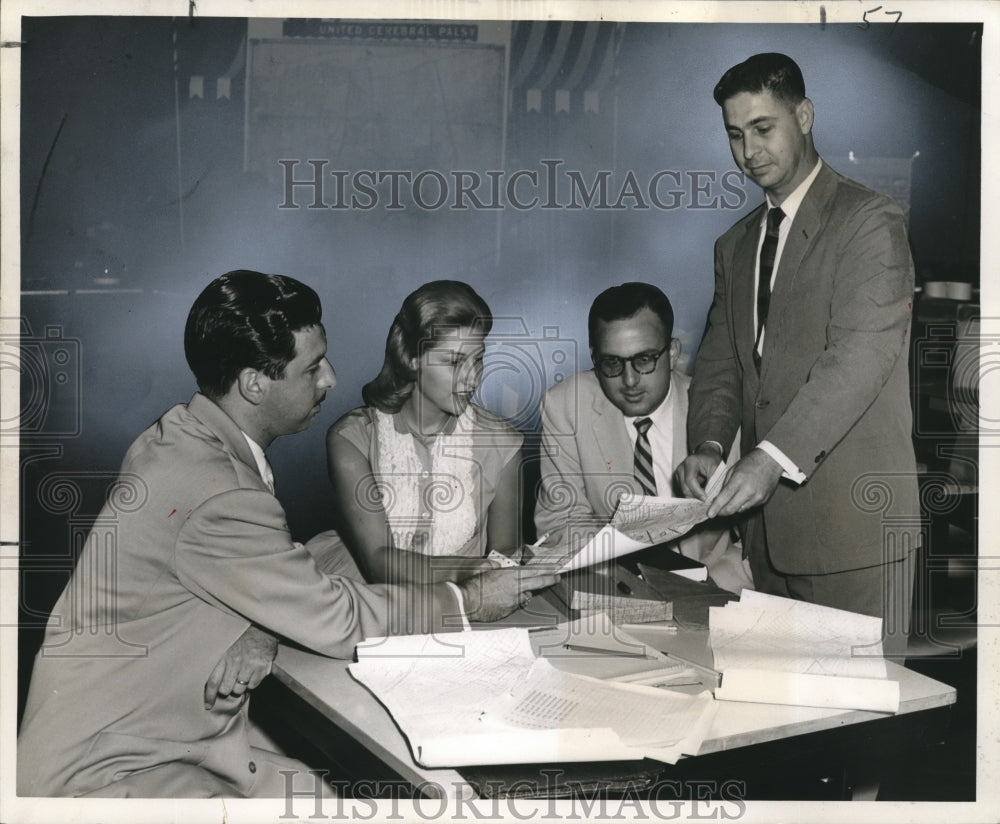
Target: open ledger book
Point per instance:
(775, 650)
(482, 697)
(640, 521)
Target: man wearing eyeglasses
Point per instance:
(620, 427)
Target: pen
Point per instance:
(540, 541)
(618, 653)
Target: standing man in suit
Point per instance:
(805, 349)
(632, 403)
(117, 703)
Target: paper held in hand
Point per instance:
(643, 520)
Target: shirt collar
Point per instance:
(260, 459)
(790, 205)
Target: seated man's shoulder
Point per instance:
(177, 433)
(579, 384)
(181, 450)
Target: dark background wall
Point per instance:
(133, 198)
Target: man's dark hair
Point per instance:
(770, 71)
(620, 302)
(242, 320)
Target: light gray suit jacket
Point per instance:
(190, 549)
(833, 390)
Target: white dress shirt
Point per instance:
(263, 467)
(661, 440)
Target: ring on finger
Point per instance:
(242, 682)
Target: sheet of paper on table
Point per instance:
(628, 659)
(781, 651)
(482, 697)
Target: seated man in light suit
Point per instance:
(589, 433)
(117, 704)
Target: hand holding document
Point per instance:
(656, 519)
(641, 521)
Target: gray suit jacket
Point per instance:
(190, 549)
(833, 390)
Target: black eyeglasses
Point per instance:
(611, 366)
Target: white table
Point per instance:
(326, 686)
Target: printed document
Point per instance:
(643, 520)
(481, 697)
(782, 651)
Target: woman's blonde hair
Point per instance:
(425, 316)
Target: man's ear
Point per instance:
(252, 385)
(804, 114)
(674, 352)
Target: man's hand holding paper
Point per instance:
(655, 520)
(641, 521)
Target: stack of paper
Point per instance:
(614, 591)
(483, 698)
(622, 609)
(776, 650)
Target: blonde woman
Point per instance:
(420, 472)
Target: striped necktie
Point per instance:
(768, 250)
(644, 457)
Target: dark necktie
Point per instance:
(644, 457)
(767, 252)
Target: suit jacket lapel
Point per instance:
(212, 415)
(802, 235)
(742, 290)
(612, 439)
